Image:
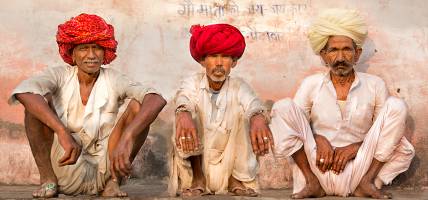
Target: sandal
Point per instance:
(46, 190)
(193, 192)
(240, 191)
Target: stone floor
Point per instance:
(157, 190)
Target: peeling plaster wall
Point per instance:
(153, 48)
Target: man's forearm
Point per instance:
(37, 106)
(150, 108)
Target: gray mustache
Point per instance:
(219, 70)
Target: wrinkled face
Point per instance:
(218, 66)
(88, 57)
(340, 54)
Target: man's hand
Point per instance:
(186, 137)
(342, 155)
(325, 153)
(71, 149)
(261, 137)
(120, 158)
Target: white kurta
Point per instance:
(90, 125)
(223, 129)
(369, 117)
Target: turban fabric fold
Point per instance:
(84, 29)
(337, 22)
(216, 39)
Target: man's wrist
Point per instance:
(259, 113)
(182, 108)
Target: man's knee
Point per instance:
(134, 106)
(283, 104)
(397, 106)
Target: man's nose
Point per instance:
(91, 53)
(219, 61)
(340, 56)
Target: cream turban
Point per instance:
(337, 22)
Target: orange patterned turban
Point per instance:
(85, 29)
(214, 39)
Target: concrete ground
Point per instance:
(157, 190)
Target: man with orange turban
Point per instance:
(81, 143)
(220, 124)
(343, 131)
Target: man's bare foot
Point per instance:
(368, 189)
(112, 189)
(312, 189)
(197, 189)
(47, 190)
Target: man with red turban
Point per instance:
(220, 124)
(81, 143)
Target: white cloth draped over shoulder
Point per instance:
(370, 117)
(223, 131)
(112, 88)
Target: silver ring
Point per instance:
(189, 137)
(322, 160)
(265, 138)
(183, 137)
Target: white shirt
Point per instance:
(101, 111)
(317, 97)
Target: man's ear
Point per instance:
(202, 62)
(323, 55)
(234, 63)
(358, 52)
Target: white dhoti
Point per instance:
(90, 124)
(384, 142)
(226, 147)
(224, 153)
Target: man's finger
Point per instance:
(260, 143)
(70, 160)
(186, 140)
(177, 137)
(271, 141)
(116, 165)
(343, 165)
(65, 157)
(330, 160)
(254, 143)
(334, 165)
(318, 157)
(195, 138)
(113, 173)
(124, 169)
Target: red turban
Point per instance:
(214, 39)
(85, 29)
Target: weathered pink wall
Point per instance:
(153, 48)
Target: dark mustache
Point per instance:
(341, 63)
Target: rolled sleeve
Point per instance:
(47, 81)
(130, 89)
(187, 94)
(251, 104)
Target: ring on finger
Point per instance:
(189, 137)
(265, 138)
(183, 137)
(322, 160)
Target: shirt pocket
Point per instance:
(107, 122)
(217, 141)
(362, 117)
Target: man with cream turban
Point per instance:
(81, 142)
(220, 124)
(342, 130)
